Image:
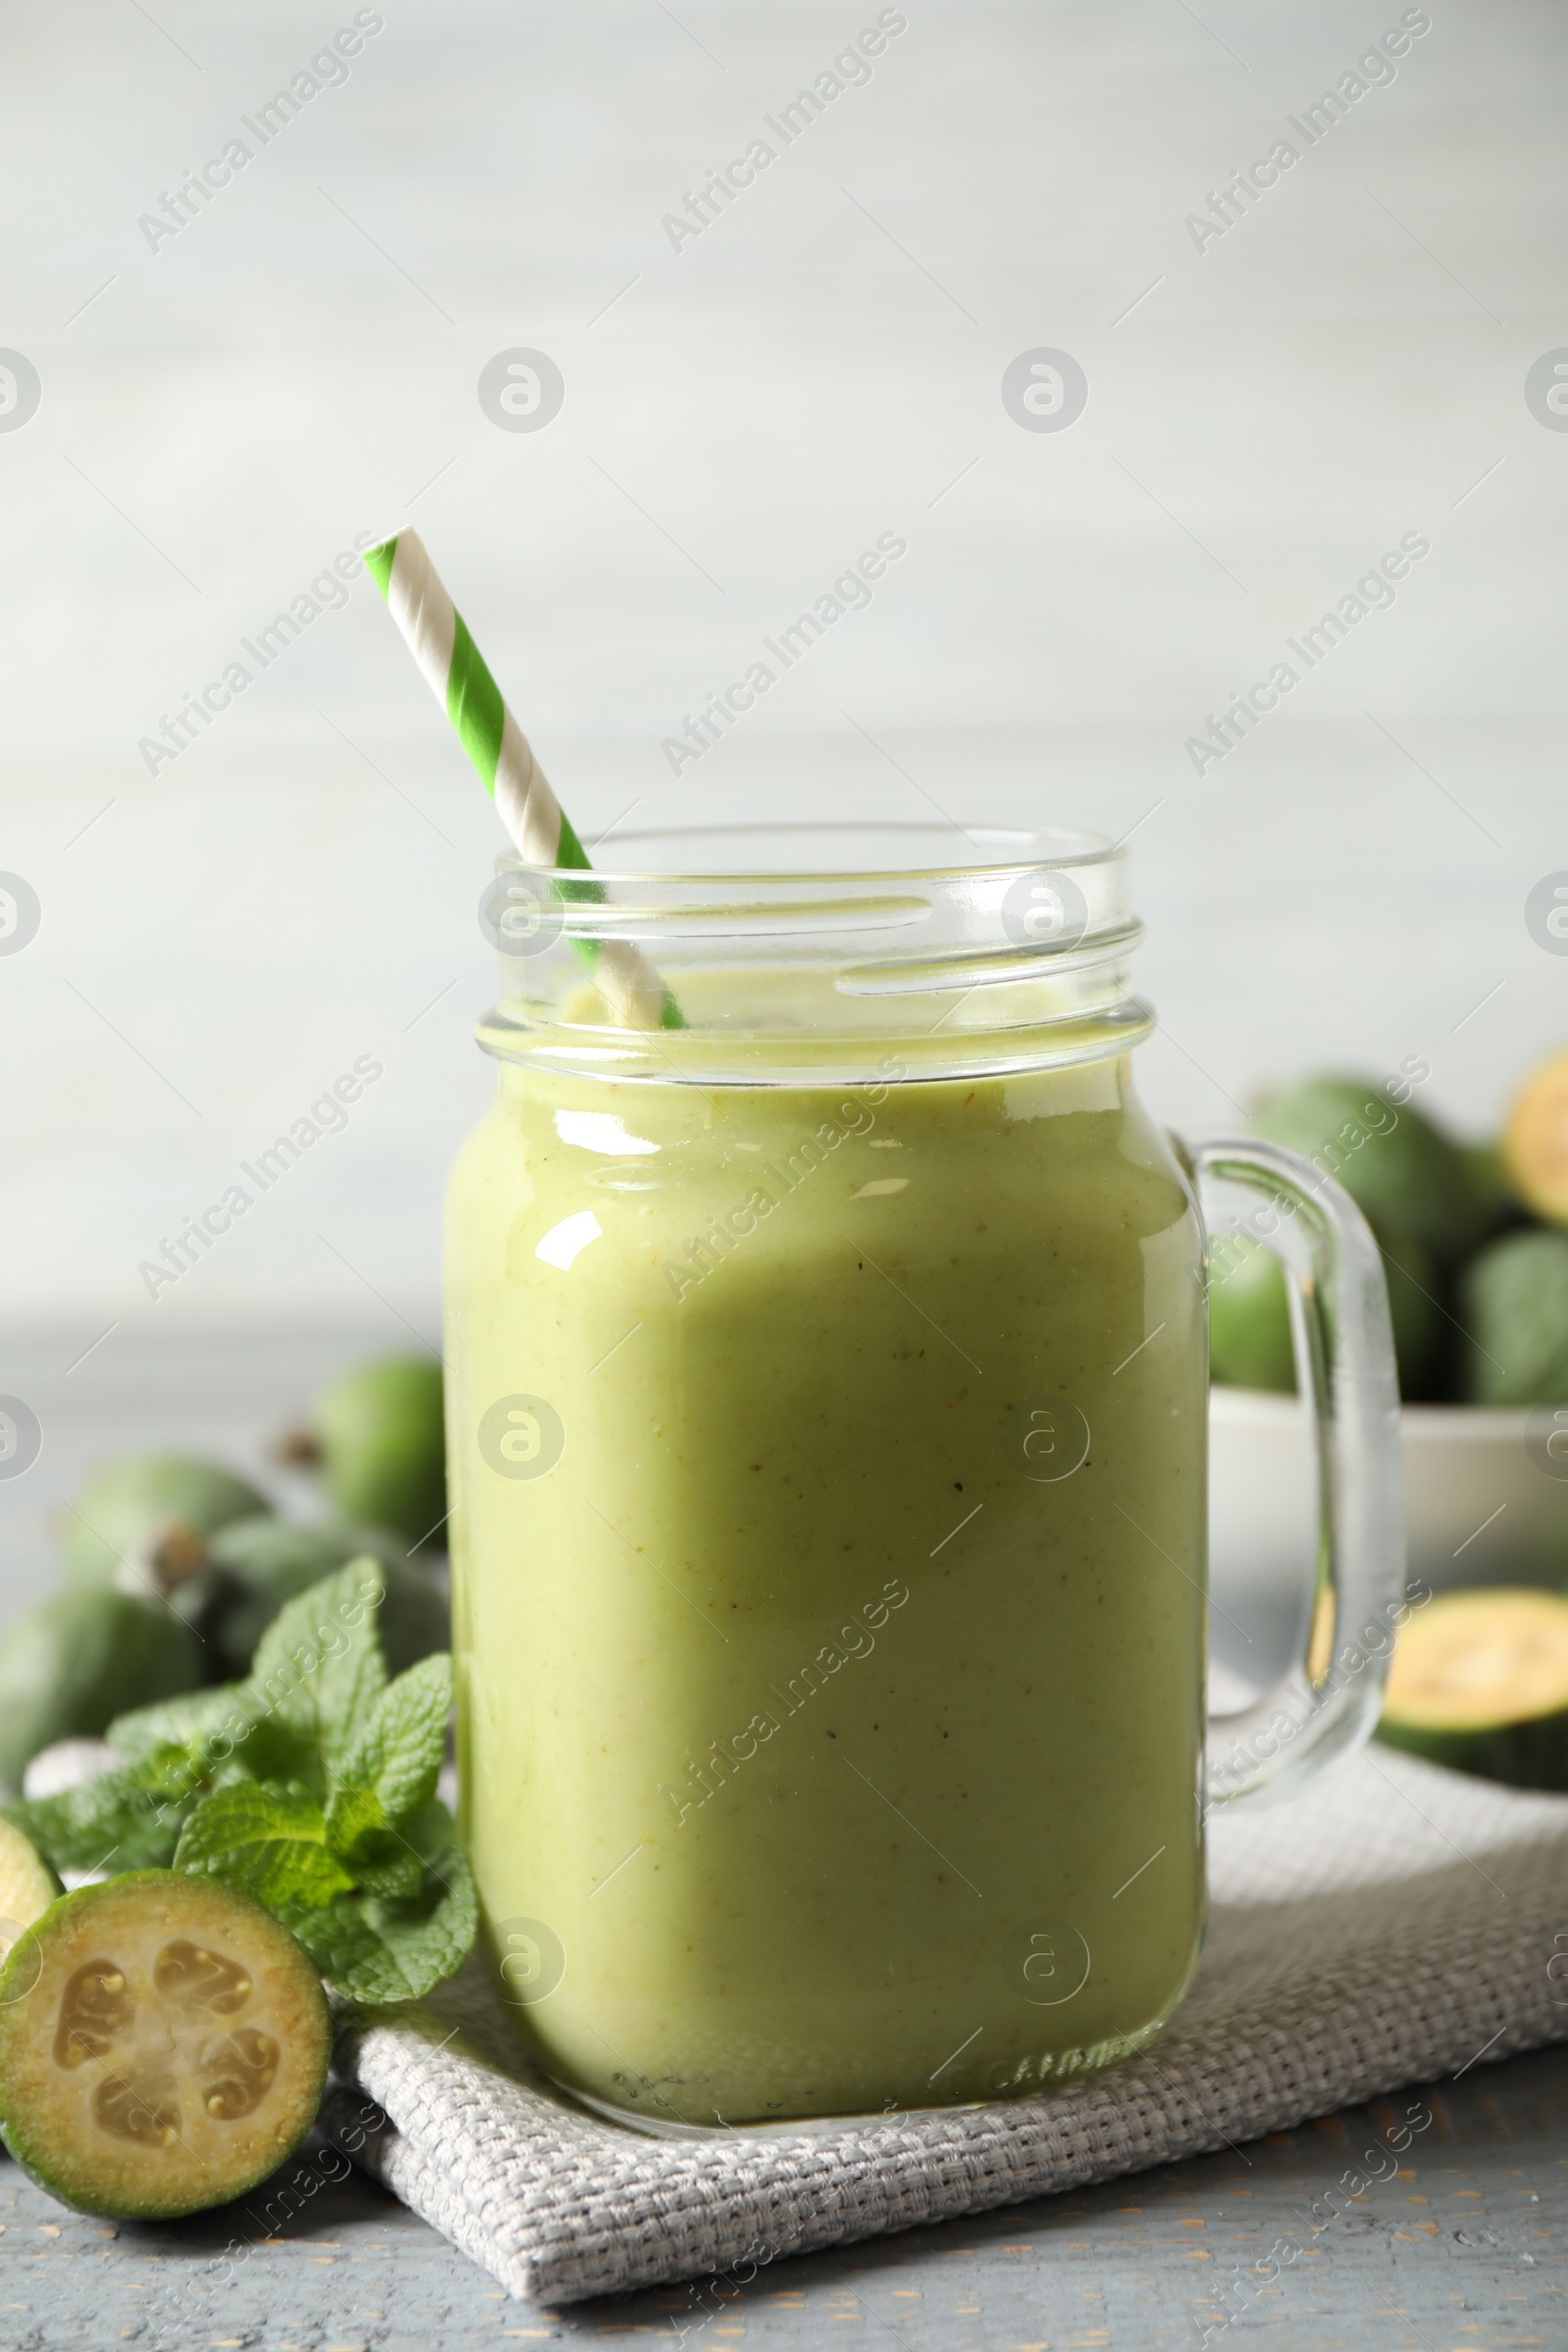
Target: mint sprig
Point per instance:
(119, 1821)
(393, 1947)
(311, 1786)
(387, 1774)
(268, 1839)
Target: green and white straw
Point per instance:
(454, 670)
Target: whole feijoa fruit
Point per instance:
(71, 1664)
(1249, 1320)
(261, 1563)
(383, 1446)
(1491, 1179)
(1403, 1174)
(130, 1505)
(1513, 1309)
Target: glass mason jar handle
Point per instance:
(1345, 1374)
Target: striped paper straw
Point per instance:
(454, 670)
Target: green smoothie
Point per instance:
(828, 1544)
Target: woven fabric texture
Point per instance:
(1395, 1924)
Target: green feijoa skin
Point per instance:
(71, 1664)
(264, 1562)
(383, 1446)
(1419, 1323)
(1403, 1173)
(1479, 1681)
(1490, 1176)
(164, 2042)
(412, 1621)
(131, 1504)
(1248, 1317)
(1249, 1322)
(1513, 1308)
(261, 1563)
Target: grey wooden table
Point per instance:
(1463, 2250)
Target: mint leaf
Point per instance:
(390, 1949)
(182, 1722)
(319, 1671)
(311, 1786)
(222, 1732)
(125, 1819)
(389, 1773)
(386, 1864)
(269, 1840)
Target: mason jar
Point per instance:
(828, 1423)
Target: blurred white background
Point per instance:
(224, 409)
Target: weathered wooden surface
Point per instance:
(1460, 2249)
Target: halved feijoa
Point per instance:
(27, 1886)
(162, 2045)
(1535, 1142)
(1478, 1680)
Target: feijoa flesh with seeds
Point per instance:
(164, 2042)
(27, 1885)
(1479, 1681)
